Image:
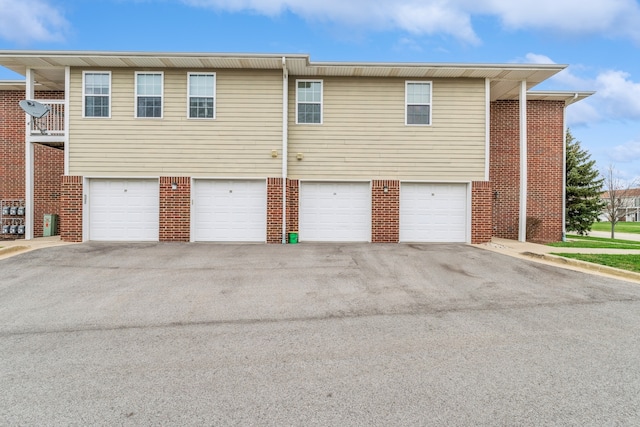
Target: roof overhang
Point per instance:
(48, 67)
(568, 97)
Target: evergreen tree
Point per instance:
(584, 187)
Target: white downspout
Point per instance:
(564, 170)
(522, 235)
(28, 162)
(285, 144)
(487, 128)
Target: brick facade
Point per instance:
(48, 163)
(71, 209)
(545, 155)
(481, 211)
(385, 211)
(274, 210)
(545, 169)
(47, 171)
(293, 202)
(175, 209)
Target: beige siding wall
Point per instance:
(364, 136)
(238, 143)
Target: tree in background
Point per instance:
(584, 186)
(618, 197)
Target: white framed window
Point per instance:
(149, 94)
(418, 103)
(201, 95)
(309, 101)
(96, 94)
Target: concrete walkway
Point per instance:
(622, 236)
(10, 248)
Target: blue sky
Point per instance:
(598, 39)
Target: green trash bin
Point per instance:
(293, 237)
(49, 225)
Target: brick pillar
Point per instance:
(71, 209)
(274, 210)
(385, 211)
(175, 209)
(293, 190)
(481, 211)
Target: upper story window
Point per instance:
(418, 103)
(309, 101)
(96, 94)
(202, 90)
(149, 91)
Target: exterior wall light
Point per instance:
(174, 185)
(385, 189)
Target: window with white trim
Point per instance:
(96, 94)
(418, 103)
(201, 95)
(309, 101)
(149, 91)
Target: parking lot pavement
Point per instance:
(312, 334)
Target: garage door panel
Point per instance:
(230, 210)
(123, 209)
(433, 212)
(335, 211)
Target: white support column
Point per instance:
(522, 232)
(28, 162)
(487, 130)
(67, 85)
(285, 145)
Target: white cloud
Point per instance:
(619, 94)
(626, 153)
(26, 21)
(454, 17)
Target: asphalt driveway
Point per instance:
(312, 334)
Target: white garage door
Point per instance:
(335, 211)
(230, 211)
(433, 212)
(124, 209)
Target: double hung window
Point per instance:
(96, 94)
(418, 103)
(149, 93)
(309, 101)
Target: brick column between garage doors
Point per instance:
(71, 209)
(175, 209)
(481, 212)
(274, 210)
(385, 211)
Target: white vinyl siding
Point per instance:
(149, 94)
(364, 135)
(238, 143)
(96, 95)
(201, 96)
(309, 101)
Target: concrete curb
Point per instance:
(13, 249)
(629, 275)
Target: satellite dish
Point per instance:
(34, 108)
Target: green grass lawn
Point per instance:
(575, 241)
(624, 262)
(621, 227)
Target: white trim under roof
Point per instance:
(48, 67)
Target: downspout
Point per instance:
(522, 235)
(564, 170)
(28, 162)
(285, 144)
